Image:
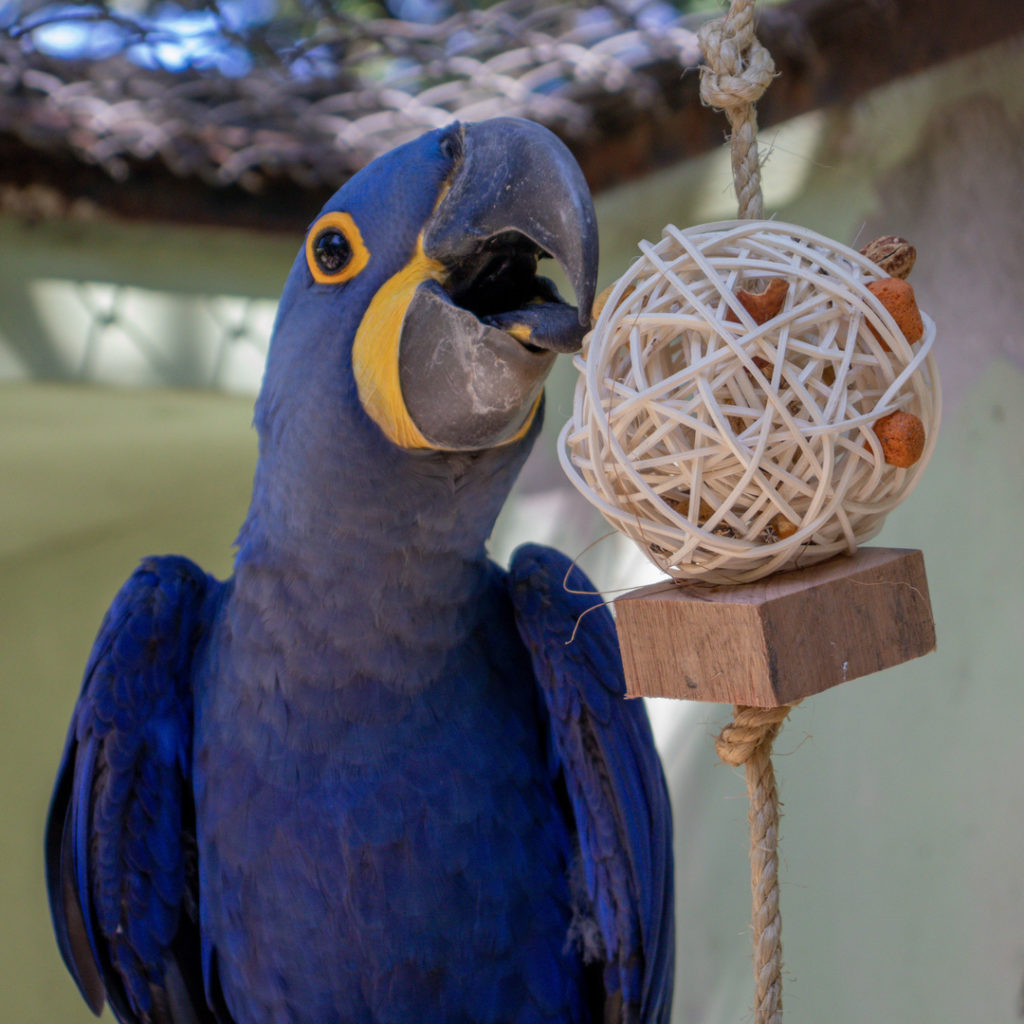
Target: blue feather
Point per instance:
(605, 749)
(121, 864)
(367, 779)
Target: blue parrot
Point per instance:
(373, 777)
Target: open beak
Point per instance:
(477, 344)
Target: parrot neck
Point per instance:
(382, 560)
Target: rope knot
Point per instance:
(738, 68)
(749, 731)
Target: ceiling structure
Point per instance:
(243, 129)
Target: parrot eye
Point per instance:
(335, 251)
(331, 251)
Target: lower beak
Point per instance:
(473, 386)
(476, 348)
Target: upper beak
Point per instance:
(517, 177)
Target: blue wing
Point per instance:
(120, 834)
(603, 747)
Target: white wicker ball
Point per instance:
(727, 449)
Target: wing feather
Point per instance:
(120, 820)
(602, 745)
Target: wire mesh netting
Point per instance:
(236, 91)
(183, 101)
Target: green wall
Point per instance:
(903, 835)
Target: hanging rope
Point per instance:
(737, 72)
(747, 740)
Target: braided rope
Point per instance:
(747, 740)
(738, 71)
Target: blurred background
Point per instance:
(158, 165)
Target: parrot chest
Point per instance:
(379, 855)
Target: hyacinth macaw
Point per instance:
(373, 776)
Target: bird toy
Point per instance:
(753, 398)
(732, 433)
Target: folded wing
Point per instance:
(602, 745)
(120, 837)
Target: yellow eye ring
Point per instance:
(335, 251)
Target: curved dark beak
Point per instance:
(478, 342)
(518, 179)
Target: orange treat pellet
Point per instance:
(898, 298)
(901, 435)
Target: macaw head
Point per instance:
(416, 308)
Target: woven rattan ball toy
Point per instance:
(734, 413)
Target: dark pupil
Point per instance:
(332, 251)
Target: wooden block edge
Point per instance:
(773, 681)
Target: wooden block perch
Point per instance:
(780, 639)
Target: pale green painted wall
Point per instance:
(138, 305)
(903, 835)
(903, 831)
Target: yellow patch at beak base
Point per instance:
(375, 350)
(375, 355)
